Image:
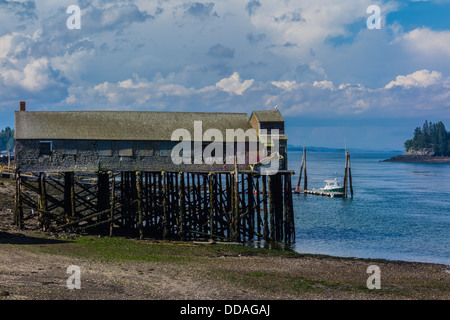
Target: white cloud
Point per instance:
(427, 42)
(36, 75)
(286, 85)
(234, 84)
(324, 84)
(421, 78)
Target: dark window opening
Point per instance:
(45, 147)
(104, 149)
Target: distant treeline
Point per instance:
(433, 136)
(7, 139)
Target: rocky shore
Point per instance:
(419, 156)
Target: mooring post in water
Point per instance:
(305, 181)
(346, 174)
(350, 175)
(303, 171)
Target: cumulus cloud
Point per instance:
(421, 78)
(176, 54)
(286, 85)
(324, 84)
(21, 72)
(234, 84)
(427, 42)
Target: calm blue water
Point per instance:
(400, 211)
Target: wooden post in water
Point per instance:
(350, 174)
(305, 181)
(303, 171)
(346, 175)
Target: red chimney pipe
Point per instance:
(22, 106)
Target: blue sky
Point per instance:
(333, 79)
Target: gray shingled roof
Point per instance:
(269, 116)
(120, 125)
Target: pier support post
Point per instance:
(69, 195)
(18, 209)
(112, 203)
(43, 214)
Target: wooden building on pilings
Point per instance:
(112, 172)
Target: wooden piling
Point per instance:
(139, 205)
(182, 205)
(112, 203)
(345, 175)
(350, 175)
(265, 210)
(165, 205)
(18, 209)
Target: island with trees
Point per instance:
(430, 144)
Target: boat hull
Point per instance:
(338, 189)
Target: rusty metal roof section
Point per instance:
(268, 116)
(121, 125)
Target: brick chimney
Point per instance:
(22, 106)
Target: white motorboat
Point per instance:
(333, 186)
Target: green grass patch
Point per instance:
(118, 249)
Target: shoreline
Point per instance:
(33, 266)
(406, 158)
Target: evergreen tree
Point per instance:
(433, 136)
(7, 139)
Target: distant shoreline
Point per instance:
(417, 159)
